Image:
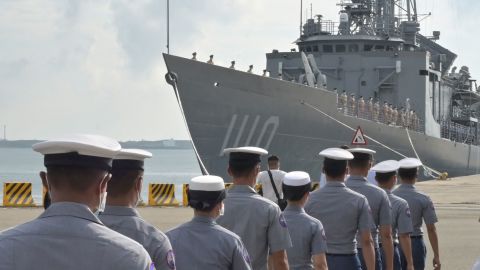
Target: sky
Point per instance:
(96, 66)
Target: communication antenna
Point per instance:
(301, 14)
(168, 26)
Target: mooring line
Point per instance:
(370, 138)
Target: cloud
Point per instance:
(96, 66)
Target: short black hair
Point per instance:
(407, 174)
(123, 180)
(334, 168)
(296, 193)
(384, 177)
(242, 164)
(360, 160)
(74, 178)
(345, 147)
(273, 158)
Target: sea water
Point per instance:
(167, 166)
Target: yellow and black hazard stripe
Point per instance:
(17, 194)
(162, 195)
(314, 186)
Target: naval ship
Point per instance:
(368, 79)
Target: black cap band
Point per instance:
(73, 159)
(128, 164)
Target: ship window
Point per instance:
(363, 83)
(309, 49)
(315, 48)
(379, 48)
(327, 48)
(423, 72)
(340, 48)
(353, 48)
(367, 47)
(216, 84)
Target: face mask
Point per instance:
(222, 210)
(103, 202)
(138, 198)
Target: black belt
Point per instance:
(416, 236)
(341, 255)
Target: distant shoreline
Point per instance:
(160, 144)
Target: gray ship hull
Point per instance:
(228, 108)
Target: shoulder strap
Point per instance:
(273, 185)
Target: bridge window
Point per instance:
(379, 48)
(340, 48)
(309, 49)
(327, 48)
(353, 48)
(368, 47)
(315, 48)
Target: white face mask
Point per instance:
(222, 210)
(103, 202)
(138, 198)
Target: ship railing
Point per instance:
(458, 133)
(398, 119)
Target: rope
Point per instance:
(172, 80)
(370, 138)
(425, 168)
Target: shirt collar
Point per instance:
(202, 219)
(335, 184)
(120, 211)
(241, 189)
(294, 208)
(388, 191)
(357, 178)
(71, 209)
(407, 186)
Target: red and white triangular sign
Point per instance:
(359, 138)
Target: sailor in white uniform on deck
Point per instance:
(68, 235)
(120, 215)
(201, 243)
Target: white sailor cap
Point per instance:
(207, 183)
(130, 159)
(386, 166)
(82, 150)
(246, 150)
(247, 155)
(362, 150)
(410, 163)
(336, 154)
(205, 191)
(361, 153)
(296, 178)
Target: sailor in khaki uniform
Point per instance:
(309, 243)
(379, 204)
(342, 212)
(68, 235)
(201, 243)
(124, 191)
(258, 221)
(386, 176)
(421, 207)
